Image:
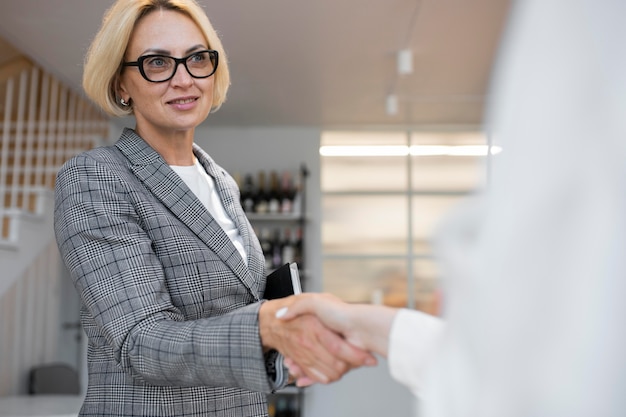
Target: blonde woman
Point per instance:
(169, 271)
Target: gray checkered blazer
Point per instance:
(168, 305)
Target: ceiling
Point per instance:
(324, 63)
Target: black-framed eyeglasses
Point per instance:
(161, 68)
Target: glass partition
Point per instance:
(383, 196)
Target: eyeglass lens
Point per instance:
(161, 67)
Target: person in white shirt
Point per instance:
(170, 274)
(535, 272)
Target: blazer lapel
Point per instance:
(230, 198)
(166, 185)
(229, 194)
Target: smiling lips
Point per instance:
(183, 100)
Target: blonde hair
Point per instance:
(103, 62)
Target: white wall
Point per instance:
(33, 311)
(36, 300)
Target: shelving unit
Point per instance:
(289, 401)
(281, 221)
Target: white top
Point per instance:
(535, 274)
(203, 187)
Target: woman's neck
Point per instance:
(176, 147)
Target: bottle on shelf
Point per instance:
(293, 406)
(287, 193)
(282, 406)
(266, 247)
(296, 202)
(288, 248)
(261, 200)
(274, 195)
(277, 258)
(247, 194)
(298, 248)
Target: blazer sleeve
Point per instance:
(125, 297)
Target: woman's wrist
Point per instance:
(372, 325)
(267, 318)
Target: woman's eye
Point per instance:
(157, 62)
(197, 58)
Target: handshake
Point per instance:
(322, 337)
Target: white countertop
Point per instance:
(40, 406)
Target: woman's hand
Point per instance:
(364, 326)
(316, 352)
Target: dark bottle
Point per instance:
(277, 249)
(266, 247)
(298, 248)
(287, 193)
(247, 194)
(274, 195)
(261, 198)
(282, 406)
(288, 250)
(293, 406)
(296, 204)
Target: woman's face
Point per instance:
(176, 105)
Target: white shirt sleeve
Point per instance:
(413, 341)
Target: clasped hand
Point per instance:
(314, 351)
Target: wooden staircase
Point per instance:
(42, 124)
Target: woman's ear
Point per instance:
(121, 93)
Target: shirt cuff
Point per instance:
(413, 342)
(277, 373)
